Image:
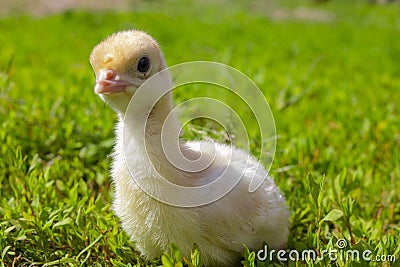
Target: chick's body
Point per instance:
(219, 228)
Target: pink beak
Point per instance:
(107, 84)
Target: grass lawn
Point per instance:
(330, 72)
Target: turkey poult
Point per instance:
(122, 63)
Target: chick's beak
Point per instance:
(107, 83)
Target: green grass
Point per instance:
(333, 87)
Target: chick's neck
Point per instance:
(146, 125)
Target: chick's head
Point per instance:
(121, 63)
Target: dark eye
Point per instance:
(143, 65)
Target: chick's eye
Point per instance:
(143, 65)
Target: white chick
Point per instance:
(122, 63)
